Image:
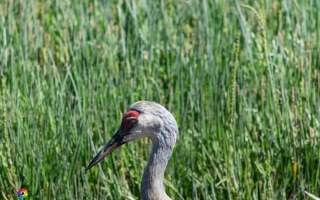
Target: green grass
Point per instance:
(72, 69)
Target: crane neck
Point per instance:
(152, 180)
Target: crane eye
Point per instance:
(133, 121)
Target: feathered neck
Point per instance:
(152, 180)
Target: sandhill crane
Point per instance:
(147, 119)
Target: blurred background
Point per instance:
(242, 79)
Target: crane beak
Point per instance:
(115, 142)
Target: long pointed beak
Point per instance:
(113, 144)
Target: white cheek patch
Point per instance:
(148, 126)
(146, 120)
(152, 123)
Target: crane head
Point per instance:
(143, 119)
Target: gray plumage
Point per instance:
(158, 124)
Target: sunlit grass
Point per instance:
(72, 69)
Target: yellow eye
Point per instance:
(133, 121)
